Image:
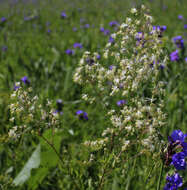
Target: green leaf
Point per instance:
(49, 159)
(33, 162)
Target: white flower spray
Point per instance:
(137, 56)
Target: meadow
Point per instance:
(69, 119)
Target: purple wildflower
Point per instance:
(25, 80)
(106, 32)
(86, 26)
(113, 23)
(185, 26)
(185, 59)
(178, 135)
(174, 56)
(16, 87)
(111, 40)
(63, 15)
(179, 41)
(82, 115)
(74, 29)
(69, 52)
(98, 57)
(102, 29)
(3, 19)
(111, 67)
(77, 45)
(173, 182)
(178, 160)
(121, 102)
(180, 17)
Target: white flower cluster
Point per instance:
(28, 115)
(129, 69)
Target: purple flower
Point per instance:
(74, 29)
(113, 23)
(180, 17)
(25, 80)
(82, 115)
(63, 15)
(102, 29)
(186, 59)
(3, 19)
(178, 135)
(106, 32)
(77, 45)
(178, 160)
(111, 40)
(174, 56)
(121, 102)
(49, 31)
(163, 28)
(179, 41)
(86, 26)
(173, 182)
(69, 52)
(111, 67)
(185, 26)
(16, 87)
(98, 57)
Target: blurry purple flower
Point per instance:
(49, 31)
(106, 32)
(77, 45)
(111, 40)
(3, 19)
(174, 56)
(102, 29)
(185, 26)
(163, 28)
(121, 102)
(86, 26)
(98, 57)
(173, 182)
(113, 23)
(63, 15)
(82, 115)
(111, 67)
(25, 80)
(69, 52)
(180, 17)
(178, 160)
(74, 29)
(179, 41)
(186, 59)
(16, 87)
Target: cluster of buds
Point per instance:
(137, 59)
(28, 115)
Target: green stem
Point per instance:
(160, 176)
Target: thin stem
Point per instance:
(160, 176)
(52, 146)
